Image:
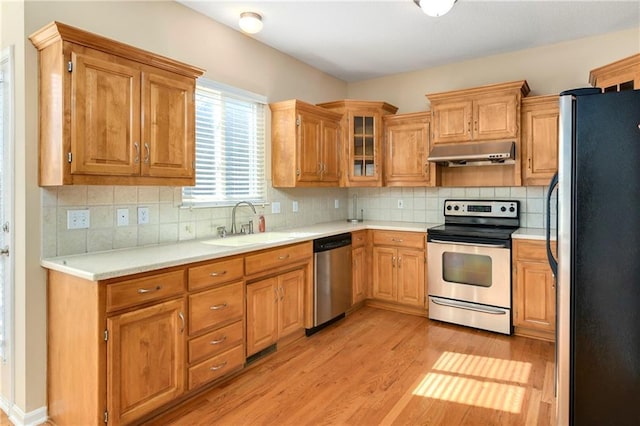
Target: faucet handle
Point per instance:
(222, 231)
(245, 228)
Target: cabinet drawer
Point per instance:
(277, 257)
(399, 239)
(213, 307)
(532, 250)
(141, 290)
(215, 273)
(215, 342)
(216, 367)
(358, 239)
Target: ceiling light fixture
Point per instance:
(435, 8)
(250, 22)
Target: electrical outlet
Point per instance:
(143, 215)
(400, 204)
(336, 203)
(275, 207)
(294, 206)
(122, 217)
(78, 219)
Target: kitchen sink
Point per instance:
(245, 240)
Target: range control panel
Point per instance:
(483, 208)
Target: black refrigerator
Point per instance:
(598, 260)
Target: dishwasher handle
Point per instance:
(332, 242)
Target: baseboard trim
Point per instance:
(20, 418)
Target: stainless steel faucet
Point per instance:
(233, 215)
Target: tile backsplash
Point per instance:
(168, 222)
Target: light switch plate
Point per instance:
(143, 215)
(336, 203)
(400, 204)
(275, 207)
(294, 206)
(78, 219)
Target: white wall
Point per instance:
(548, 69)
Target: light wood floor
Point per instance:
(380, 367)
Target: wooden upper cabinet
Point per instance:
(482, 113)
(305, 145)
(362, 133)
(112, 114)
(105, 101)
(617, 76)
(406, 148)
(168, 131)
(540, 127)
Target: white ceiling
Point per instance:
(358, 40)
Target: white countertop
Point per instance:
(533, 234)
(117, 263)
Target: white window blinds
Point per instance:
(229, 146)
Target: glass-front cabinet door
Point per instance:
(362, 140)
(364, 157)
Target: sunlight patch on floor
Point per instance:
(477, 380)
(483, 366)
(479, 393)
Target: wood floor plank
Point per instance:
(382, 367)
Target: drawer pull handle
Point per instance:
(218, 367)
(286, 256)
(218, 341)
(218, 274)
(218, 307)
(149, 290)
(395, 240)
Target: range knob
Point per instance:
(456, 208)
(503, 209)
(512, 209)
(449, 207)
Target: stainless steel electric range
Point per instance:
(469, 258)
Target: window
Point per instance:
(229, 146)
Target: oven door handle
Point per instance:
(467, 306)
(503, 245)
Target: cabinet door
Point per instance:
(364, 148)
(358, 270)
(494, 117)
(168, 135)
(262, 314)
(406, 151)
(384, 273)
(145, 360)
(535, 296)
(540, 140)
(291, 302)
(309, 135)
(105, 111)
(330, 151)
(452, 122)
(411, 277)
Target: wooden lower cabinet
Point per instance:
(399, 270)
(145, 355)
(534, 290)
(275, 309)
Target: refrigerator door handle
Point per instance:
(552, 260)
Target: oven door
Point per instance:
(470, 272)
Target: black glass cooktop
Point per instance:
(474, 231)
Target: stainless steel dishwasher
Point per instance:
(331, 280)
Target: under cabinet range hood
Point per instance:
(474, 154)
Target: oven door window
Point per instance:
(464, 268)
